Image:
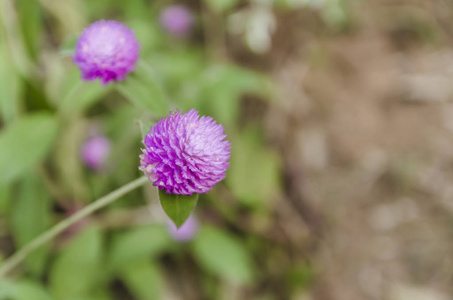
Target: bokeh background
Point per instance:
(340, 117)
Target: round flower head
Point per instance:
(107, 50)
(185, 154)
(186, 232)
(95, 152)
(176, 20)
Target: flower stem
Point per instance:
(15, 259)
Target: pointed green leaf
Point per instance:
(24, 143)
(177, 207)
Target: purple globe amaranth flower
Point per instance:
(95, 152)
(176, 20)
(186, 232)
(185, 154)
(107, 50)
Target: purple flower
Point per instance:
(95, 152)
(186, 232)
(176, 20)
(185, 154)
(107, 50)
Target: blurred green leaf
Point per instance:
(79, 95)
(10, 87)
(144, 90)
(178, 66)
(147, 32)
(30, 216)
(138, 244)
(24, 143)
(224, 85)
(67, 48)
(143, 279)
(77, 270)
(22, 290)
(31, 24)
(224, 255)
(221, 5)
(177, 207)
(254, 170)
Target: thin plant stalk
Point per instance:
(10, 263)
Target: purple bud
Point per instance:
(95, 152)
(185, 153)
(176, 20)
(186, 232)
(107, 50)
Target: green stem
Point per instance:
(15, 259)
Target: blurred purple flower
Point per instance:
(95, 152)
(176, 20)
(185, 154)
(186, 232)
(107, 50)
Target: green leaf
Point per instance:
(78, 95)
(24, 143)
(177, 207)
(138, 244)
(77, 270)
(22, 290)
(223, 255)
(144, 90)
(143, 279)
(10, 93)
(31, 24)
(224, 85)
(254, 174)
(30, 216)
(67, 48)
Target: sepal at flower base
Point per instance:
(177, 207)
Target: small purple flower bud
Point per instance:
(95, 152)
(186, 232)
(185, 154)
(107, 50)
(176, 20)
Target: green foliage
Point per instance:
(121, 254)
(31, 25)
(177, 207)
(30, 216)
(11, 86)
(254, 172)
(143, 279)
(143, 89)
(78, 95)
(223, 255)
(76, 272)
(23, 290)
(24, 143)
(138, 244)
